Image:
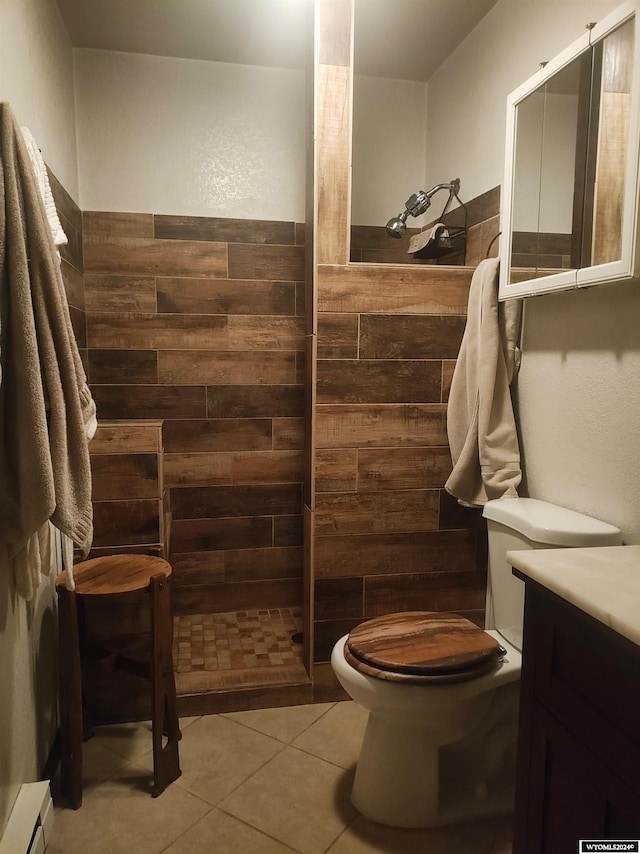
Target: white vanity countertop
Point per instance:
(603, 582)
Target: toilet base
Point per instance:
(405, 780)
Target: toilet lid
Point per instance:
(426, 644)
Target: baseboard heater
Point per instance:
(30, 824)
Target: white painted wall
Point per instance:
(578, 392)
(189, 137)
(36, 78)
(389, 138)
(578, 399)
(468, 93)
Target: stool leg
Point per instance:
(70, 700)
(166, 762)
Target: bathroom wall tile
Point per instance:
(123, 367)
(115, 224)
(243, 596)
(198, 469)
(157, 402)
(251, 261)
(216, 502)
(129, 330)
(415, 290)
(120, 293)
(489, 233)
(340, 556)
(73, 281)
(474, 254)
(261, 564)
(248, 332)
(333, 37)
(454, 515)
(145, 256)
(403, 468)
(287, 530)
(254, 401)
(131, 475)
(424, 592)
(378, 381)
(126, 438)
(362, 426)
(233, 467)
(72, 251)
(249, 532)
(217, 434)
(79, 325)
(410, 336)
(390, 256)
(267, 466)
(125, 522)
(327, 632)
(362, 513)
(338, 598)
(326, 687)
(288, 433)
(448, 367)
(224, 230)
(300, 233)
(337, 336)
(253, 367)
(192, 568)
(300, 299)
(224, 296)
(333, 149)
(336, 471)
(375, 237)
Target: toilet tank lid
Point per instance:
(549, 524)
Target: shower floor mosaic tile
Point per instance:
(238, 649)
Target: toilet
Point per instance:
(442, 694)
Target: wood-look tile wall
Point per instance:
(71, 263)
(384, 535)
(199, 322)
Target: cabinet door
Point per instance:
(572, 795)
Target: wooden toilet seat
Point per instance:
(421, 647)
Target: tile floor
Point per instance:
(240, 649)
(269, 781)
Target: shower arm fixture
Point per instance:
(418, 203)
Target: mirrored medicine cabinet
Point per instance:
(570, 192)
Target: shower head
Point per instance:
(416, 205)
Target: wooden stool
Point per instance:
(110, 576)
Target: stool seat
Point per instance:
(111, 576)
(106, 576)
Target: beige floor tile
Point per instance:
(128, 740)
(121, 817)
(216, 755)
(98, 765)
(336, 736)
(364, 837)
(296, 798)
(285, 723)
(224, 834)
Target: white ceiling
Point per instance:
(406, 39)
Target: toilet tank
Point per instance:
(526, 523)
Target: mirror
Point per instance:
(572, 166)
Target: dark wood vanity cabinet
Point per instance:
(578, 766)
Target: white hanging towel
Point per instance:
(480, 421)
(40, 170)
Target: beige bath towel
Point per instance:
(480, 420)
(45, 403)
